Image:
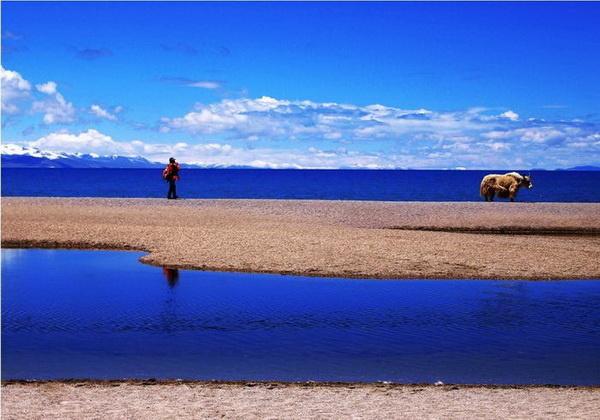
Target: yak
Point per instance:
(505, 186)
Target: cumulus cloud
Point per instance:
(271, 117)
(534, 134)
(85, 142)
(55, 108)
(472, 138)
(100, 112)
(275, 133)
(508, 149)
(49, 88)
(93, 141)
(14, 89)
(46, 98)
(510, 115)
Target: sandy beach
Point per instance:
(119, 400)
(323, 238)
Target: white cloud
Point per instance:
(271, 132)
(275, 118)
(472, 138)
(208, 121)
(510, 115)
(49, 88)
(100, 112)
(95, 142)
(434, 151)
(84, 142)
(534, 134)
(498, 146)
(55, 108)
(205, 85)
(540, 134)
(14, 89)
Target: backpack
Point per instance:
(171, 171)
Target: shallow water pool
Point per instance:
(104, 315)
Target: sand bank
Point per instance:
(325, 238)
(206, 400)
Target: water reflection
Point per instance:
(504, 305)
(172, 276)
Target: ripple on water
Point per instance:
(101, 314)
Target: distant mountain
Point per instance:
(15, 156)
(584, 168)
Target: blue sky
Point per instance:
(422, 85)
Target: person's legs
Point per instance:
(171, 193)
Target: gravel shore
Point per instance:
(138, 400)
(323, 238)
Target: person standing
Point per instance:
(171, 175)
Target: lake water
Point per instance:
(104, 315)
(380, 185)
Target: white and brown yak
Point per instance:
(505, 186)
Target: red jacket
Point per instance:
(171, 171)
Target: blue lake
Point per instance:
(378, 185)
(104, 315)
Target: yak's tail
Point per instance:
(484, 188)
(489, 185)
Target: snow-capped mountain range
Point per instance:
(16, 156)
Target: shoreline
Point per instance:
(291, 384)
(345, 239)
(84, 247)
(149, 399)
